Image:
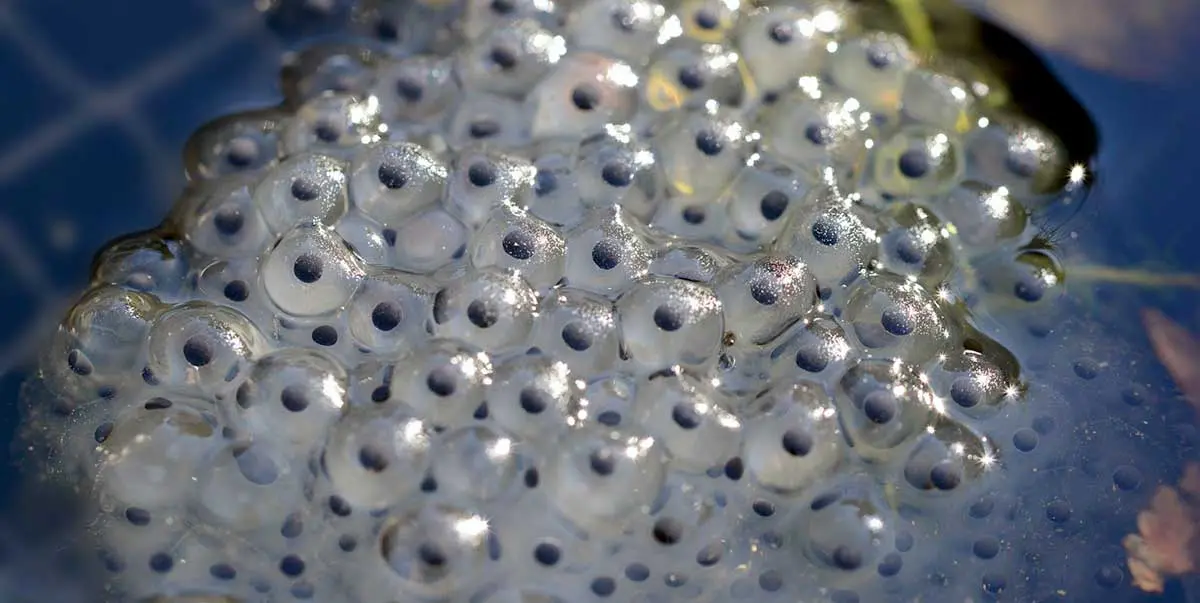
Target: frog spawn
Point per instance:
(691, 305)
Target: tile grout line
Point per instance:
(53, 136)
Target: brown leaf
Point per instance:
(1164, 545)
(1178, 350)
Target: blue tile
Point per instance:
(17, 308)
(242, 76)
(106, 41)
(10, 413)
(27, 101)
(98, 181)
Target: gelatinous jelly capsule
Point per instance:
(667, 321)
(490, 308)
(628, 29)
(376, 456)
(531, 396)
(779, 44)
(510, 58)
(603, 476)
(765, 297)
(686, 415)
(793, 439)
(892, 316)
(884, 404)
(582, 93)
(389, 181)
(239, 143)
(305, 189)
(515, 241)
(310, 271)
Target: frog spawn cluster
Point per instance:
(607, 300)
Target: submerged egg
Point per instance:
(579, 301)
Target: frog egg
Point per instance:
(1030, 278)
(431, 552)
(513, 241)
(685, 519)
(874, 69)
(376, 456)
(554, 196)
(577, 328)
(197, 345)
(832, 237)
(510, 58)
(884, 404)
(846, 527)
(1019, 155)
(682, 413)
(690, 218)
(145, 262)
(607, 253)
(388, 312)
(603, 476)
(581, 94)
(414, 89)
(409, 28)
(442, 379)
(666, 321)
(763, 298)
(916, 245)
(982, 216)
(426, 241)
(947, 458)
(981, 379)
(314, 71)
(689, 262)
(310, 271)
(606, 401)
(685, 74)
(701, 152)
(221, 220)
(303, 189)
(153, 450)
(333, 124)
(239, 143)
(760, 202)
(938, 100)
(490, 120)
(478, 463)
(626, 29)
(481, 16)
(893, 316)
(530, 396)
(481, 180)
(918, 162)
(391, 181)
(615, 168)
(792, 437)
(812, 349)
(779, 44)
(100, 341)
(707, 20)
(291, 397)
(489, 308)
(816, 128)
(247, 486)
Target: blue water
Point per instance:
(99, 97)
